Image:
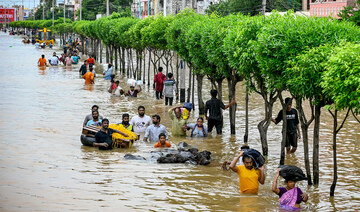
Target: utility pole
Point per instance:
(80, 10)
(107, 8)
(263, 8)
(53, 12)
(64, 10)
(43, 9)
(34, 11)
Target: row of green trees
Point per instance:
(315, 59)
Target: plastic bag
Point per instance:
(257, 157)
(131, 82)
(293, 173)
(188, 106)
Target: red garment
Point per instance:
(91, 60)
(114, 86)
(159, 80)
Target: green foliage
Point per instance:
(120, 29)
(285, 37)
(134, 33)
(341, 80)
(351, 13)
(239, 48)
(304, 55)
(153, 35)
(64, 28)
(212, 40)
(304, 74)
(176, 32)
(38, 24)
(197, 55)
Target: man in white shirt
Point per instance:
(54, 61)
(141, 121)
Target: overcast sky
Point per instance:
(27, 3)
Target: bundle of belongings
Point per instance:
(186, 154)
(293, 173)
(256, 156)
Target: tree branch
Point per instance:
(352, 111)
(342, 124)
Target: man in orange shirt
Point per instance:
(249, 177)
(89, 78)
(91, 61)
(42, 61)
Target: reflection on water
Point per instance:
(43, 164)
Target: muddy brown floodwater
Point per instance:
(44, 167)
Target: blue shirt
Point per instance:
(195, 132)
(152, 132)
(108, 73)
(75, 59)
(92, 122)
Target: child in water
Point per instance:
(186, 110)
(290, 196)
(162, 141)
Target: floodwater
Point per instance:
(44, 167)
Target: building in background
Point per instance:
(7, 15)
(19, 12)
(143, 8)
(325, 8)
(27, 13)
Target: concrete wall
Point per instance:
(329, 7)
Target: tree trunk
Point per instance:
(111, 53)
(283, 131)
(135, 71)
(123, 60)
(149, 65)
(189, 88)
(219, 87)
(140, 66)
(116, 59)
(316, 144)
(101, 50)
(144, 70)
(232, 113)
(269, 100)
(304, 129)
(128, 64)
(335, 132)
(246, 135)
(333, 185)
(120, 61)
(107, 52)
(154, 67)
(199, 79)
(193, 91)
(177, 78)
(94, 50)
